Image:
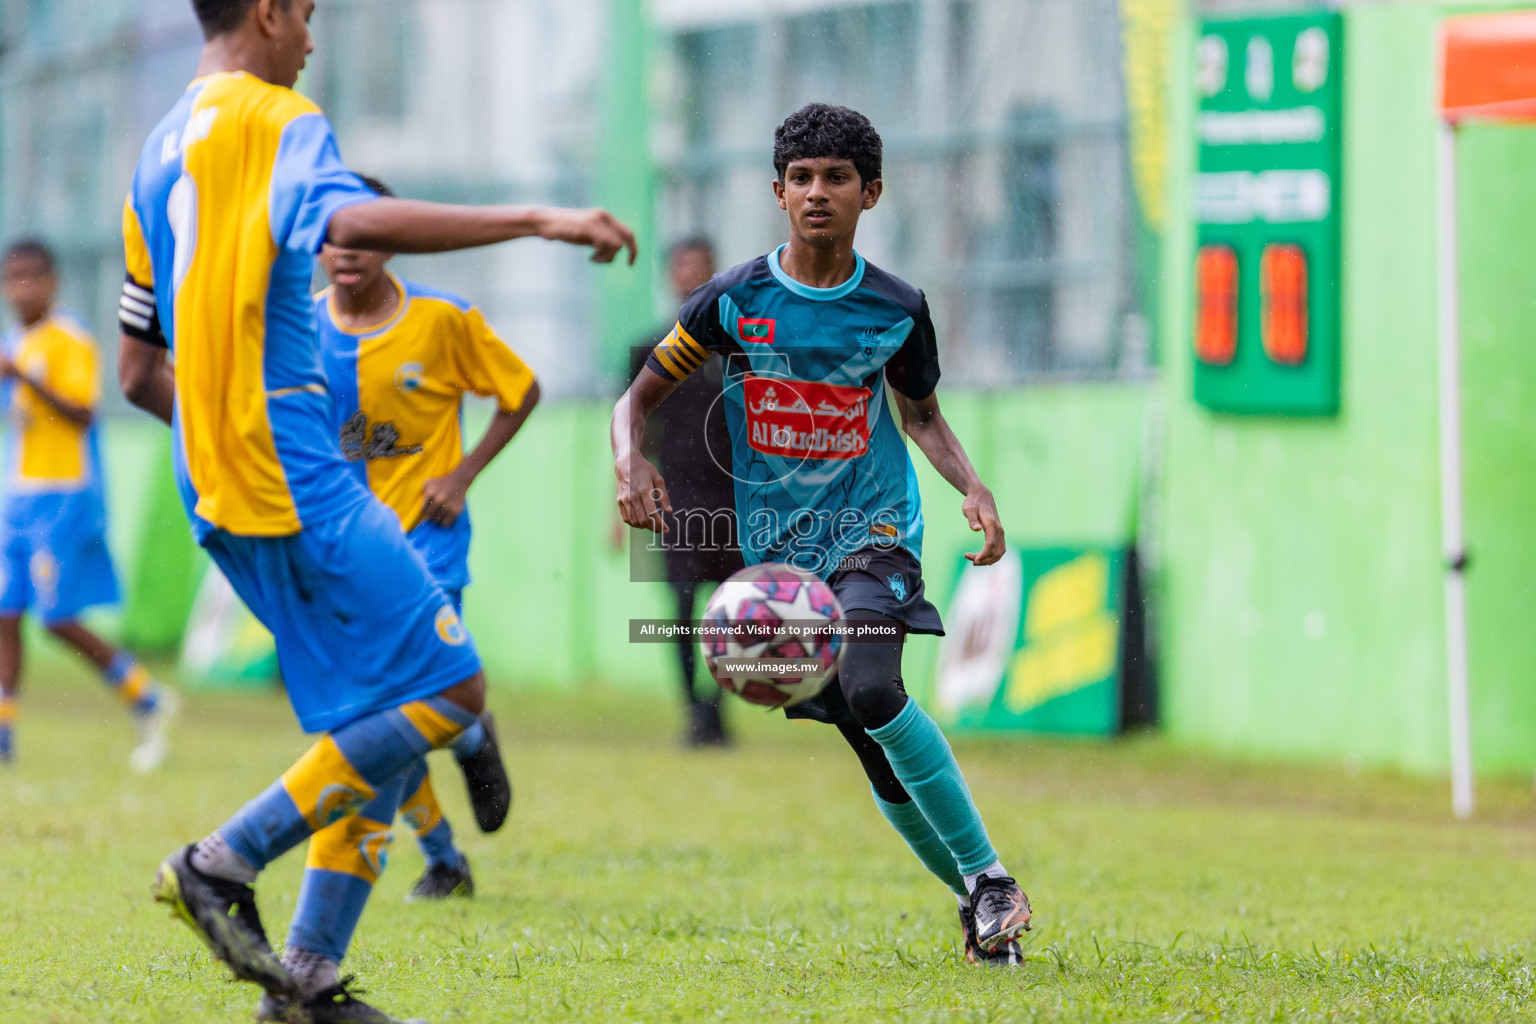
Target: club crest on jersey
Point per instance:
(450, 630)
(898, 584)
(755, 329)
(409, 376)
(869, 340)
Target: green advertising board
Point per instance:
(1034, 643)
(1266, 325)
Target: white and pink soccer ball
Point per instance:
(769, 635)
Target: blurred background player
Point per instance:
(813, 336)
(399, 358)
(689, 440)
(53, 527)
(235, 191)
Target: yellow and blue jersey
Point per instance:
(398, 391)
(820, 468)
(52, 465)
(230, 203)
(53, 548)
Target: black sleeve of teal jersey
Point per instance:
(137, 315)
(697, 333)
(914, 369)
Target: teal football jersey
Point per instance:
(820, 468)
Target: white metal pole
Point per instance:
(1452, 541)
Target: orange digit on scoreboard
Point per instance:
(1283, 303)
(1216, 304)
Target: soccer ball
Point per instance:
(768, 635)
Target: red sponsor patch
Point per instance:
(801, 419)
(755, 329)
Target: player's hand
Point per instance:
(8, 369)
(601, 230)
(981, 512)
(642, 494)
(443, 499)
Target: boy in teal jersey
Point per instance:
(235, 192)
(54, 559)
(811, 336)
(399, 358)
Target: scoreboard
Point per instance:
(1266, 313)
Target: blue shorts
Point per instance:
(54, 574)
(360, 624)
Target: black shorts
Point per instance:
(887, 582)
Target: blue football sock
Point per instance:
(421, 812)
(339, 775)
(925, 766)
(132, 682)
(344, 861)
(437, 845)
(469, 740)
(7, 723)
(908, 820)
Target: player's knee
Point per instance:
(875, 695)
(469, 695)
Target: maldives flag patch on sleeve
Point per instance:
(755, 329)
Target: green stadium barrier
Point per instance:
(164, 563)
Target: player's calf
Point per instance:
(7, 727)
(208, 885)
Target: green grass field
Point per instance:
(638, 882)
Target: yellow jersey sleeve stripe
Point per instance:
(135, 251)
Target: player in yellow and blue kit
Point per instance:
(235, 192)
(400, 357)
(54, 560)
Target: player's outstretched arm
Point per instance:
(144, 373)
(642, 494)
(928, 429)
(410, 225)
(444, 496)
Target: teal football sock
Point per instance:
(908, 820)
(925, 766)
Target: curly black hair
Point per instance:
(823, 130)
(220, 16)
